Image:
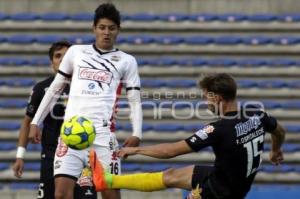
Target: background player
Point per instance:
(237, 139)
(96, 71)
(51, 130)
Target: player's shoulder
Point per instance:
(216, 126)
(43, 83)
(81, 48)
(255, 112)
(253, 109)
(208, 128)
(124, 55)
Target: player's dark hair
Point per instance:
(57, 46)
(222, 84)
(109, 11)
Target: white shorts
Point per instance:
(70, 162)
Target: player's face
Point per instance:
(57, 57)
(106, 32)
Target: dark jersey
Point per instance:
(237, 141)
(53, 121)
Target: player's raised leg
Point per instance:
(172, 178)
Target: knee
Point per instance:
(60, 194)
(169, 177)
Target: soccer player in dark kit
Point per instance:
(50, 134)
(237, 139)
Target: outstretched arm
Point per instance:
(46, 105)
(277, 138)
(136, 117)
(161, 151)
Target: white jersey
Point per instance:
(97, 79)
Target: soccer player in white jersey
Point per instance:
(96, 72)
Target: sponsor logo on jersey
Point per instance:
(91, 86)
(244, 128)
(193, 139)
(95, 74)
(112, 144)
(88, 192)
(87, 92)
(57, 164)
(115, 58)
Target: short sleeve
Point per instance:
(204, 137)
(66, 65)
(269, 122)
(34, 100)
(131, 76)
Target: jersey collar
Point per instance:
(104, 52)
(231, 113)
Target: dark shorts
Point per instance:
(85, 192)
(47, 189)
(200, 178)
(203, 176)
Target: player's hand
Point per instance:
(131, 141)
(34, 134)
(18, 167)
(126, 151)
(276, 157)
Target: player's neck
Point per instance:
(230, 106)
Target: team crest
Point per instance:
(209, 129)
(115, 58)
(85, 178)
(61, 149)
